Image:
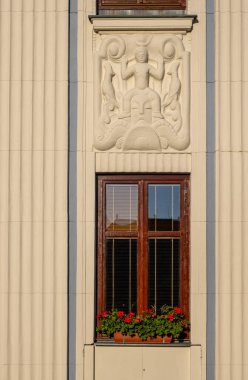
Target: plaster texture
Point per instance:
(33, 191)
(231, 193)
(34, 168)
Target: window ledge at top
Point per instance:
(135, 23)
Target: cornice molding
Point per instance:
(181, 24)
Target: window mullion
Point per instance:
(140, 250)
(145, 244)
(142, 257)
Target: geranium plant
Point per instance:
(150, 324)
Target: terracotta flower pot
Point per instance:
(158, 339)
(120, 338)
(132, 339)
(167, 339)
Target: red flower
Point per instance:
(178, 310)
(98, 316)
(149, 311)
(131, 314)
(171, 317)
(104, 314)
(137, 320)
(128, 320)
(120, 314)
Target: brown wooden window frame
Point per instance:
(142, 4)
(143, 234)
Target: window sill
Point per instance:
(111, 343)
(104, 341)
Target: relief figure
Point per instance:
(108, 92)
(142, 71)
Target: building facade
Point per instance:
(122, 136)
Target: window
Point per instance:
(143, 242)
(142, 4)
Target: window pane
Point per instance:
(121, 274)
(163, 272)
(121, 207)
(164, 207)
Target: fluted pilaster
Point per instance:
(33, 190)
(231, 192)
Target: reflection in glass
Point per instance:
(121, 275)
(163, 272)
(121, 207)
(164, 207)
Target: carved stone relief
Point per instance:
(142, 93)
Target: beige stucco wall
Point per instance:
(140, 362)
(33, 198)
(33, 189)
(231, 189)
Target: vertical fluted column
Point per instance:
(244, 183)
(33, 189)
(231, 191)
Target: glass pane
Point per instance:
(163, 272)
(121, 274)
(163, 207)
(121, 207)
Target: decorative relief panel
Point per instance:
(142, 93)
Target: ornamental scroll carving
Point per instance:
(142, 93)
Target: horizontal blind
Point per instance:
(163, 272)
(121, 207)
(121, 274)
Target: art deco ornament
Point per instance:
(142, 93)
